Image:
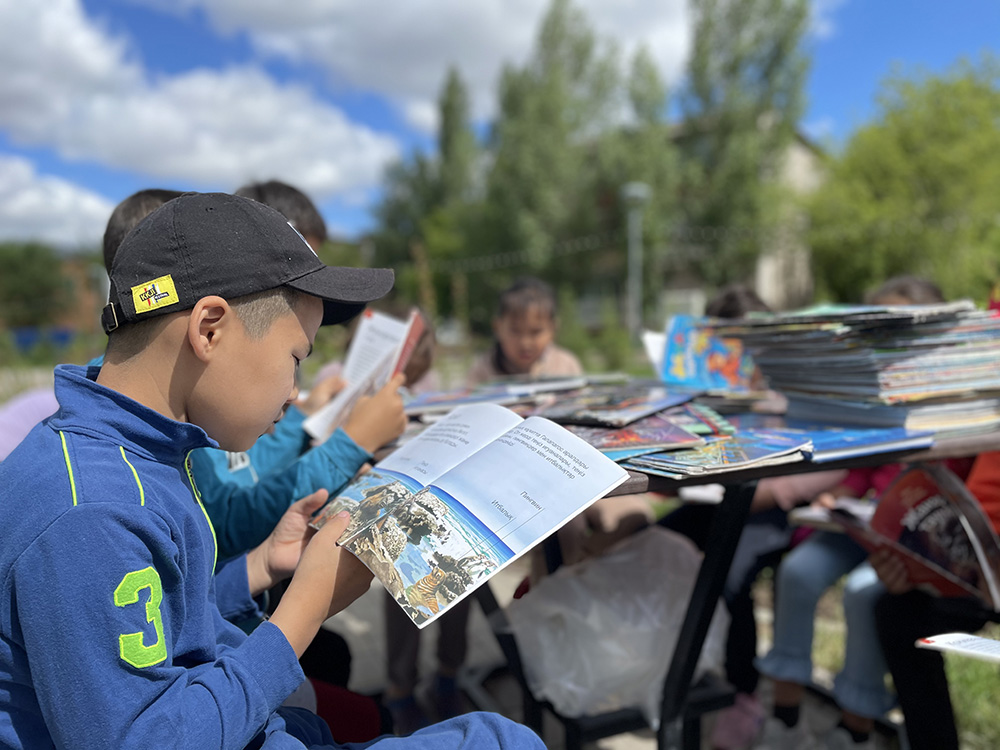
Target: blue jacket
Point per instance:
(245, 494)
(110, 631)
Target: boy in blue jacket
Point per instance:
(110, 628)
(246, 492)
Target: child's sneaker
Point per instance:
(778, 736)
(737, 727)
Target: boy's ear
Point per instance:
(209, 321)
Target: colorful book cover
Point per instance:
(695, 357)
(613, 406)
(736, 452)
(835, 442)
(653, 432)
(938, 531)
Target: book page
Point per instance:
(417, 463)
(433, 550)
(965, 644)
(376, 352)
(376, 336)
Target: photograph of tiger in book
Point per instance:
(424, 546)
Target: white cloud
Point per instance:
(821, 23)
(402, 50)
(69, 85)
(48, 209)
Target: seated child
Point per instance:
(246, 492)
(905, 614)
(110, 624)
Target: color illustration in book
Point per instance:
(462, 499)
(696, 357)
(938, 530)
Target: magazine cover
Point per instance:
(724, 454)
(613, 405)
(652, 433)
(939, 531)
(695, 357)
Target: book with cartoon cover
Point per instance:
(938, 530)
(740, 451)
(464, 499)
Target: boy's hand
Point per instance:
(275, 558)
(320, 394)
(891, 571)
(378, 419)
(328, 578)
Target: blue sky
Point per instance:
(99, 98)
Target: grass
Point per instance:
(975, 685)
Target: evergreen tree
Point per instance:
(743, 101)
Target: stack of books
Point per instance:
(926, 367)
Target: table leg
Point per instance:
(726, 528)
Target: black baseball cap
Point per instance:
(202, 244)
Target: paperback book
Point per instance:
(380, 348)
(964, 644)
(646, 435)
(717, 456)
(938, 530)
(465, 498)
(695, 357)
(613, 405)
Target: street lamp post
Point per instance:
(635, 195)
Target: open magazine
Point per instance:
(939, 531)
(380, 348)
(465, 498)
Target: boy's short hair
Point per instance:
(257, 312)
(202, 244)
(525, 293)
(916, 289)
(127, 214)
(735, 301)
(291, 202)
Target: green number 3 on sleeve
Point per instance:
(130, 645)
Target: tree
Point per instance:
(430, 201)
(742, 104)
(33, 289)
(914, 191)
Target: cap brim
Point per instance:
(344, 291)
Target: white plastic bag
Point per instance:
(598, 636)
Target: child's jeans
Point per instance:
(805, 573)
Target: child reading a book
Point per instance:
(214, 301)
(904, 614)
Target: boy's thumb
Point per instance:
(337, 525)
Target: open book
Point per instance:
(939, 531)
(465, 498)
(985, 649)
(381, 347)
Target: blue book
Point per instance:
(832, 442)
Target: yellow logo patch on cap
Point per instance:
(154, 294)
